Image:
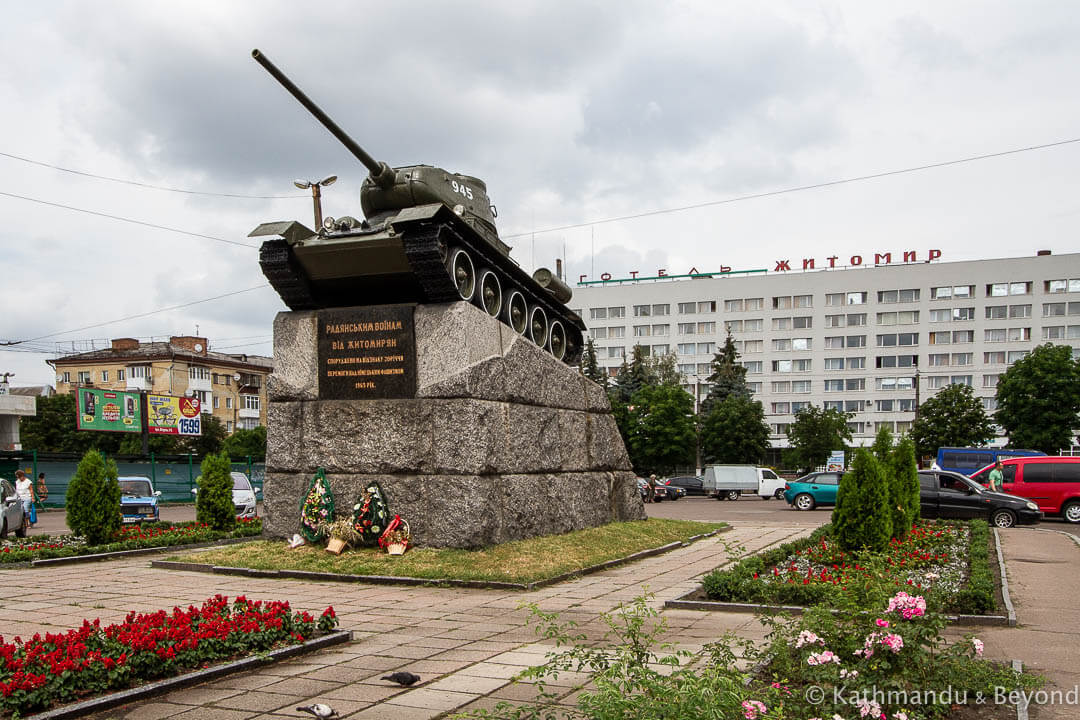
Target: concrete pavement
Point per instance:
(466, 644)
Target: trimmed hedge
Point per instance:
(977, 596)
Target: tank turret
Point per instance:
(428, 235)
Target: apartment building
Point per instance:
(231, 387)
(871, 340)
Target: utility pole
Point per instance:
(917, 395)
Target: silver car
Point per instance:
(243, 495)
(12, 512)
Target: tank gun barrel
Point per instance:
(380, 173)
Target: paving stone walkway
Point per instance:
(467, 644)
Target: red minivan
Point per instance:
(1052, 483)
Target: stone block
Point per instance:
(467, 436)
(531, 443)
(574, 440)
(296, 372)
(606, 448)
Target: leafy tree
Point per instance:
(728, 377)
(93, 499)
(815, 433)
(904, 498)
(663, 371)
(861, 518)
(52, 429)
(662, 433)
(590, 368)
(952, 418)
(159, 444)
(1039, 398)
(246, 443)
(214, 503)
(734, 431)
(211, 440)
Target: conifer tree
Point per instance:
(93, 499)
(590, 367)
(905, 499)
(861, 518)
(728, 377)
(214, 503)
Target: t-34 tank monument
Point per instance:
(417, 354)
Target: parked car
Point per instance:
(968, 460)
(674, 492)
(243, 494)
(1052, 482)
(692, 484)
(11, 512)
(811, 490)
(138, 499)
(944, 494)
(727, 482)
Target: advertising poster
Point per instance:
(107, 410)
(168, 415)
(836, 461)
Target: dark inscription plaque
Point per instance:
(367, 352)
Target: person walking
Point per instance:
(996, 477)
(24, 490)
(652, 488)
(41, 492)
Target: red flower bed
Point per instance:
(60, 668)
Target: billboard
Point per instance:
(108, 410)
(168, 415)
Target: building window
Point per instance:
(598, 314)
(120, 374)
(856, 428)
(886, 340)
(229, 426)
(780, 387)
(642, 310)
(599, 333)
(781, 366)
(781, 323)
(217, 402)
(662, 309)
(835, 321)
(642, 330)
(753, 367)
(1072, 332)
(834, 386)
(228, 403)
(856, 363)
(67, 376)
(905, 405)
(856, 319)
(1019, 311)
(687, 368)
(706, 327)
(781, 303)
(660, 350)
(940, 315)
(687, 328)
(616, 312)
(996, 312)
(884, 405)
(854, 341)
(1015, 355)
(802, 323)
(960, 314)
(961, 359)
(660, 329)
(951, 291)
(755, 303)
(84, 377)
(251, 402)
(855, 384)
(935, 382)
(1019, 334)
(729, 305)
(834, 342)
(756, 325)
(1060, 286)
(198, 372)
(706, 348)
(781, 344)
(833, 405)
(990, 381)
(937, 359)
(989, 404)
(833, 299)
(104, 376)
(994, 358)
(960, 380)
(705, 306)
(781, 408)
(616, 332)
(888, 296)
(801, 343)
(853, 406)
(754, 346)
(803, 301)
(856, 298)
(733, 326)
(1053, 309)
(1010, 288)
(963, 336)
(755, 387)
(615, 353)
(1054, 332)
(686, 348)
(800, 386)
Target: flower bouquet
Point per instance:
(341, 533)
(317, 509)
(396, 539)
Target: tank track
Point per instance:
(280, 267)
(425, 244)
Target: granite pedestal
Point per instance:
(500, 442)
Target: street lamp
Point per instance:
(316, 195)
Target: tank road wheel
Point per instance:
(538, 326)
(491, 297)
(464, 274)
(516, 312)
(557, 341)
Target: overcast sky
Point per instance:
(572, 112)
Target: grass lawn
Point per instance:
(522, 561)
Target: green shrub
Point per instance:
(214, 503)
(976, 597)
(904, 500)
(93, 499)
(861, 518)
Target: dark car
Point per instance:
(674, 492)
(692, 484)
(946, 494)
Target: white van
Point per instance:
(727, 482)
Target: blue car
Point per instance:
(138, 499)
(812, 490)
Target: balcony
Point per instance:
(248, 413)
(140, 383)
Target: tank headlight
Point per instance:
(328, 222)
(459, 209)
(1032, 506)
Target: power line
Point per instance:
(816, 186)
(139, 315)
(148, 185)
(124, 219)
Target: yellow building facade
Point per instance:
(231, 387)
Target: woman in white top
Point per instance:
(24, 490)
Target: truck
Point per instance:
(727, 482)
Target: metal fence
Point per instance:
(173, 475)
